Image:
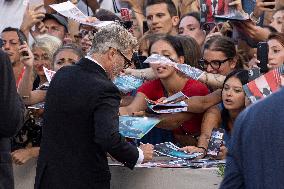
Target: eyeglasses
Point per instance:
(127, 62)
(215, 64)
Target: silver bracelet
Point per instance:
(254, 18)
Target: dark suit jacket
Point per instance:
(80, 127)
(11, 119)
(255, 157)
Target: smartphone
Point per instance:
(253, 73)
(215, 142)
(22, 40)
(145, 26)
(269, 6)
(262, 56)
(36, 3)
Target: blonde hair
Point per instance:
(48, 43)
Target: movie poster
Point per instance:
(136, 127)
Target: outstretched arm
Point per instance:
(199, 104)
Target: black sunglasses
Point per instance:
(127, 62)
(215, 64)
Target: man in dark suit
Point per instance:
(11, 119)
(81, 118)
(255, 156)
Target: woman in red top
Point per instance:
(169, 82)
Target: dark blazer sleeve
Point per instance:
(11, 106)
(106, 126)
(233, 178)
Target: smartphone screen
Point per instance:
(22, 40)
(215, 142)
(262, 56)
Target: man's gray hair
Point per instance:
(115, 36)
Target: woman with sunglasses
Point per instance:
(169, 82)
(233, 102)
(220, 57)
(85, 36)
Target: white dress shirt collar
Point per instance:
(93, 60)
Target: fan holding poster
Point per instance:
(264, 85)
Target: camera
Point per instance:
(262, 56)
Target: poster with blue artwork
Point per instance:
(127, 83)
(136, 127)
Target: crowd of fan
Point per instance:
(175, 31)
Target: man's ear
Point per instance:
(111, 53)
(175, 21)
